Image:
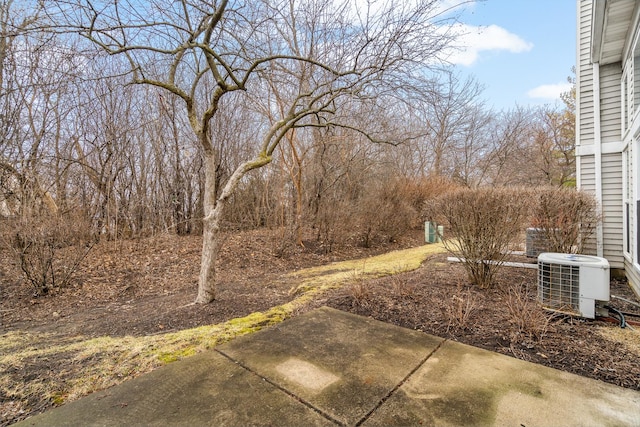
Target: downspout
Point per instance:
(597, 141)
(578, 112)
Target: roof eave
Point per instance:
(597, 27)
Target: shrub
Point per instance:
(529, 323)
(389, 209)
(480, 225)
(384, 213)
(461, 307)
(418, 191)
(48, 249)
(566, 218)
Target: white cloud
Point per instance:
(380, 7)
(452, 6)
(551, 91)
(471, 41)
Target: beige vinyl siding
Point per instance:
(609, 116)
(611, 205)
(632, 207)
(633, 276)
(588, 173)
(611, 102)
(628, 198)
(585, 76)
(588, 184)
(612, 208)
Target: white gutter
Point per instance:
(597, 25)
(578, 105)
(597, 141)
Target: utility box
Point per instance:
(571, 282)
(536, 242)
(433, 232)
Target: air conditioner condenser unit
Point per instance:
(573, 283)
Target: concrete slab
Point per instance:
(328, 367)
(341, 364)
(206, 389)
(463, 385)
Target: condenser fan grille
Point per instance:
(559, 286)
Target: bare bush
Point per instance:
(360, 294)
(333, 223)
(48, 249)
(529, 323)
(384, 213)
(567, 218)
(419, 191)
(460, 308)
(359, 290)
(481, 225)
(400, 287)
(389, 210)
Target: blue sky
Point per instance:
(522, 51)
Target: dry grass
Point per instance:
(529, 321)
(461, 307)
(339, 273)
(628, 337)
(105, 361)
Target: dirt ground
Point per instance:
(145, 287)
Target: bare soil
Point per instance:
(147, 286)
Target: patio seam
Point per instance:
(404, 380)
(284, 390)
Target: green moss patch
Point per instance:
(106, 361)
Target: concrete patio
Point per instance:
(328, 368)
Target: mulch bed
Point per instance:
(145, 287)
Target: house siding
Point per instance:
(633, 276)
(628, 199)
(612, 205)
(611, 164)
(588, 184)
(611, 128)
(610, 121)
(588, 174)
(584, 76)
(612, 208)
(610, 103)
(617, 155)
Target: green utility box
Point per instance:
(432, 232)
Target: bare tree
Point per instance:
(448, 118)
(201, 51)
(473, 147)
(531, 147)
(28, 97)
(503, 165)
(551, 152)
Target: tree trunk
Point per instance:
(210, 236)
(210, 247)
(213, 211)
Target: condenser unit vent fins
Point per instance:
(559, 286)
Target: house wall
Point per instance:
(612, 208)
(633, 276)
(611, 139)
(609, 112)
(611, 202)
(629, 207)
(584, 75)
(587, 182)
(610, 103)
(588, 173)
